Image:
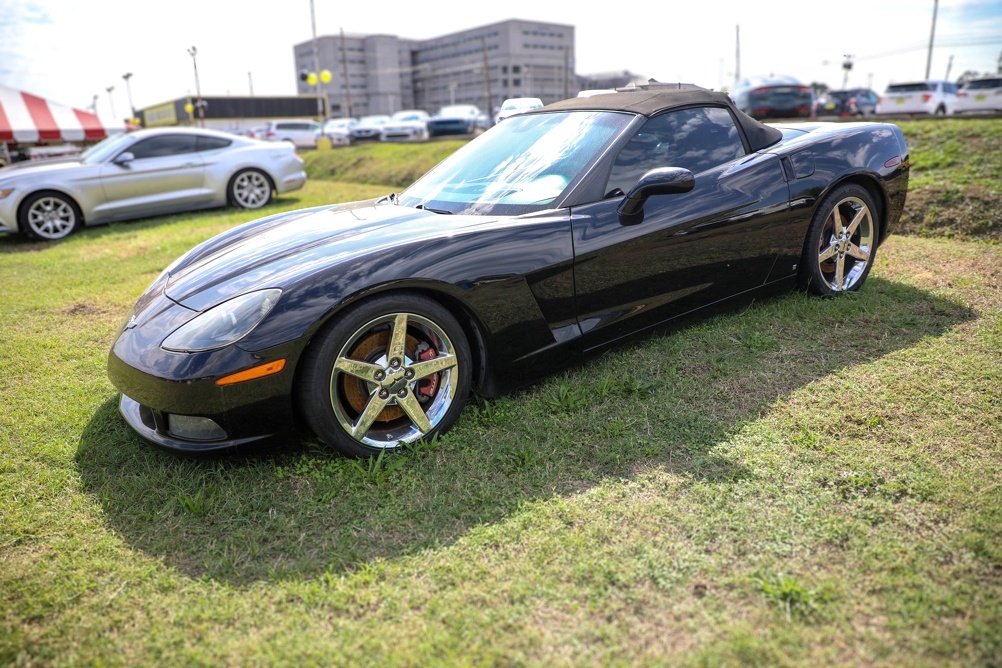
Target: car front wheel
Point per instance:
(48, 216)
(250, 189)
(841, 242)
(387, 372)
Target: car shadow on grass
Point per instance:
(666, 403)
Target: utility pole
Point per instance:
(932, 35)
(949, 66)
(344, 67)
(737, 54)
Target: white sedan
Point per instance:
(406, 125)
(145, 173)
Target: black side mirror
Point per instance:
(658, 181)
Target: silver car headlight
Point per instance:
(223, 324)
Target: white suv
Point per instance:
(302, 133)
(938, 98)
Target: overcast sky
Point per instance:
(71, 50)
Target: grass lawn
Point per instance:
(820, 482)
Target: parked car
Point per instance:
(407, 125)
(595, 91)
(774, 97)
(937, 98)
(850, 102)
(553, 236)
(369, 128)
(300, 133)
(338, 130)
(980, 95)
(457, 119)
(145, 173)
(517, 105)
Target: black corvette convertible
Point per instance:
(553, 235)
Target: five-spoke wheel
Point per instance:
(389, 371)
(841, 242)
(250, 189)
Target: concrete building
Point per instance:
(381, 74)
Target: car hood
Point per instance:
(284, 250)
(32, 168)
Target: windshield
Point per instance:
(518, 167)
(105, 149)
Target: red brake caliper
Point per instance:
(428, 386)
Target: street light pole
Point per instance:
(111, 100)
(932, 35)
(316, 66)
(128, 90)
(198, 89)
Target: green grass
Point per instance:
(802, 482)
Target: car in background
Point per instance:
(145, 173)
(298, 132)
(980, 95)
(369, 128)
(774, 97)
(851, 102)
(457, 119)
(337, 130)
(406, 125)
(589, 92)
(553, 236)
(936, 98)
(516, 105)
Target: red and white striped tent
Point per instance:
(27, 119)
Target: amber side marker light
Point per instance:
(253, 373)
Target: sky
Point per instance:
(73, 50)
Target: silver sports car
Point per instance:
(145, 173)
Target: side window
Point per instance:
(164, 145)
(212, 143)
(697, 139)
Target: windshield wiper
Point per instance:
(428, 208)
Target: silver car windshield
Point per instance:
(520, 166)
(105, 149)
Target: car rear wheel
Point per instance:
(48, 216)
(250, 189)
(387, 372)
(841, 242)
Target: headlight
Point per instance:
(223, 324)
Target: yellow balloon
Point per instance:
(325, 76)
(189, 107)
(311, 79)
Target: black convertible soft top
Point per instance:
(652, 101)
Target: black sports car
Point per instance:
(557, 233)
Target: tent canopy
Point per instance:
(29, 119)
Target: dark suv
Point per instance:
(848, 102)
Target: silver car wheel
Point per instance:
(394, 380)
(250, 189)
(49, 217)
(841, 242)
(848, 241)
(389, 371)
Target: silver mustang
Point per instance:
(145, 173)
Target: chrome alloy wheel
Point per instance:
(251, 189)
(846, 244)
(51, 217)
(394, 380)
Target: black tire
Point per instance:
(366, 386)
(841, 242)
(49, 216)
(249, 189)
(941, 110)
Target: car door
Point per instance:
(165, 174)
(691, 249)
